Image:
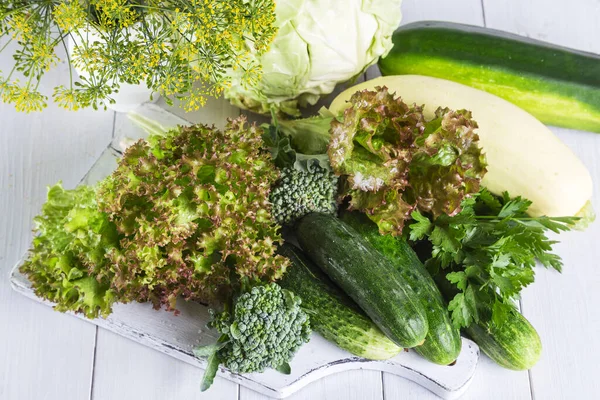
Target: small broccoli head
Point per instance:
(298, 193)
(266, 328)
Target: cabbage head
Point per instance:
(320, 43)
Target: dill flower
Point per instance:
(179, 48)
(25, 98)
(70, 16)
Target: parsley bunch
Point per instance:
(488, 251)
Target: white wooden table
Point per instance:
(48, 355)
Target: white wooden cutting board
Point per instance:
(179, 335)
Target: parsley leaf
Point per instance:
(488, 251)
(459, 278)
(463, 308)
(421, 228)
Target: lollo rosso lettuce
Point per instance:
(192, 206)
(393, 161)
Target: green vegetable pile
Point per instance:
(264, 330)
(197, 213)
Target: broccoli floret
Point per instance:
(298, 193)
(264, 330)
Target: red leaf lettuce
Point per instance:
(395, 161)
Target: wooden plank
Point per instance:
(464, 11)
(43, 354)
(574, 24)
(562, 306)
(125, 369)
(348, 385)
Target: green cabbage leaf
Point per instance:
(318, 45)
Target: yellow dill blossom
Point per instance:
(42, 54)
(23, 97)
(179, 48)
(181, 23)
(66, 98)
(115, 13)
(193, 100)
(86, 57)
(70, 16)
(21, 26)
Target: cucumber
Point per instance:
(443, 342)
(515, 345)
(559, 86)
(366, 276)
(524, 157)
(332, 313)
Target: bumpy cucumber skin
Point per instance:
(443, 342)
(515, 345)
(332, 313)
(366, 276)
(557, 85)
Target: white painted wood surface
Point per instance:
(47, 355)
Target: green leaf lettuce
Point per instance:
(67, 263)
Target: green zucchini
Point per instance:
(443, 342)
(332, 313)
(557, 85)
(366, 276)
(515, 345)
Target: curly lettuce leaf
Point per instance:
(447, 163)
(385, 207)
(394, 161)
(371, 143)
(67, 264)
(193, 208)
